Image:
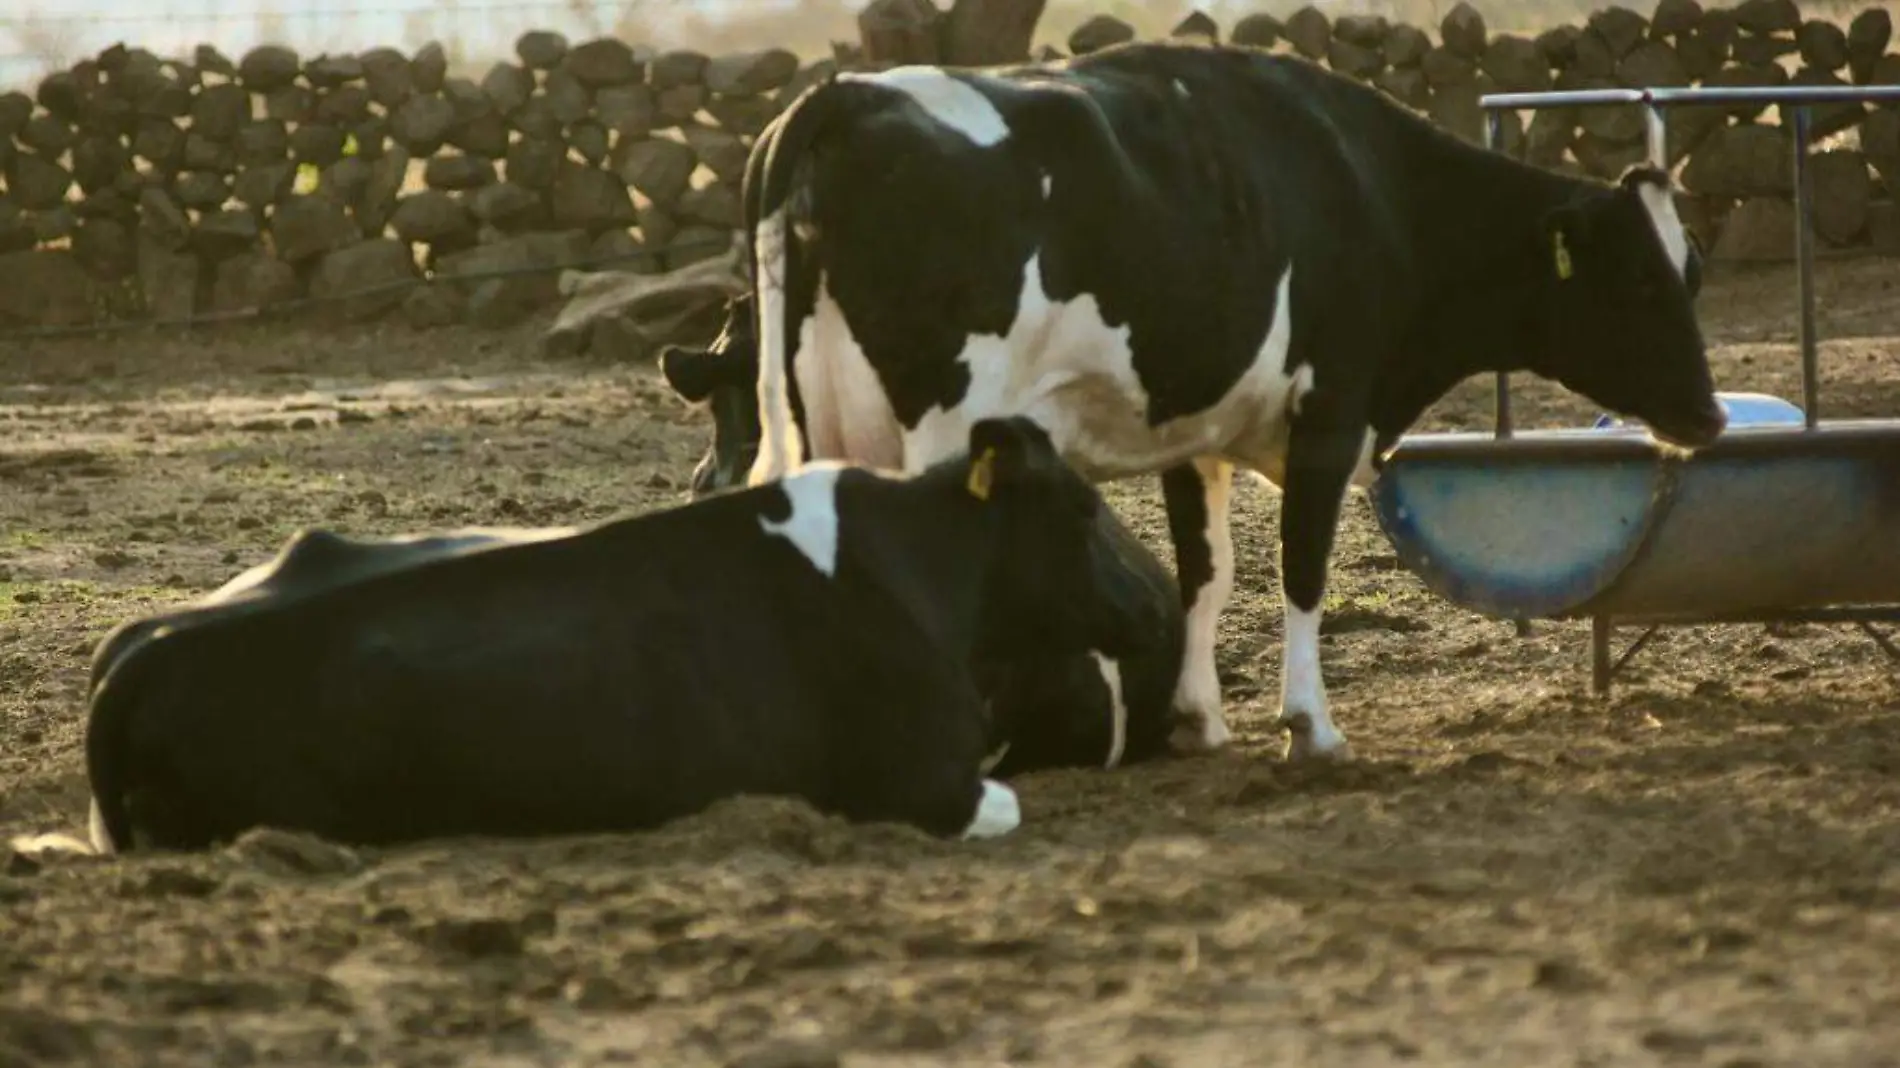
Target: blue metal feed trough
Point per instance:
(1546, 527)
(1783, 518)
(1766, 524)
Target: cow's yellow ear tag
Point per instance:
(982, 469)
(1562, 254)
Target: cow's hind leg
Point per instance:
(101, 838)
(997, 812)
(1196, 496)
(914, 743)
(942, 796)
(1321, 458)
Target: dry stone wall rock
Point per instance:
(256, 178)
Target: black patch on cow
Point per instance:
(1184, 493)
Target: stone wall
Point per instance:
(135, 185)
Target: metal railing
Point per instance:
(1798, 100)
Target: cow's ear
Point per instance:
(689, 371)
(1006, 452)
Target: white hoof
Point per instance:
(1309, 738)
(1201, 732)
(997, 813)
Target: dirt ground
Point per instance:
(1702, 869)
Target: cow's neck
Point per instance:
(944, 548)
(1485, 268)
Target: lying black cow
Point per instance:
(585, 680)
(1079, 710)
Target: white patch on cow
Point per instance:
(1363, 473)
(1117, 710)
(1063, 366)
(1197, 698)
(951, 102)
(812, 527)
(1662, 215)
(51, 842)
(1303, 690)
(102, 842)
(1048, 183)
(847, 415)
(997, 813)
(778, 435)
(1180, 89)
(1302, 385)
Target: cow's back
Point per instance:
(1240, 160)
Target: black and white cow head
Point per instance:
(1053, 584)
(1622, 276)
(723, 378)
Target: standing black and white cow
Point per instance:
(577, 680)
(1182, 257)
(1077, 710)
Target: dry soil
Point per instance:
(1703, 868)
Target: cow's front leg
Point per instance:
(1196, 496)
(1320, 462)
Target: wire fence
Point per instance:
(276, 309)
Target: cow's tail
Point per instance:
(781, 205)
(108, 734)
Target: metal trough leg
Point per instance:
(1885, 643)
(1600, 654)
(1602, 668)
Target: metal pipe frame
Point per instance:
(1603, 669)
(1655, 101)
(1796, 103)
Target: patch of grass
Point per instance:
(1340, 601)
(17, 596)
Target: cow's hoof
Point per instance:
(1199, 733)
(998, 812)
(1305, 743)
